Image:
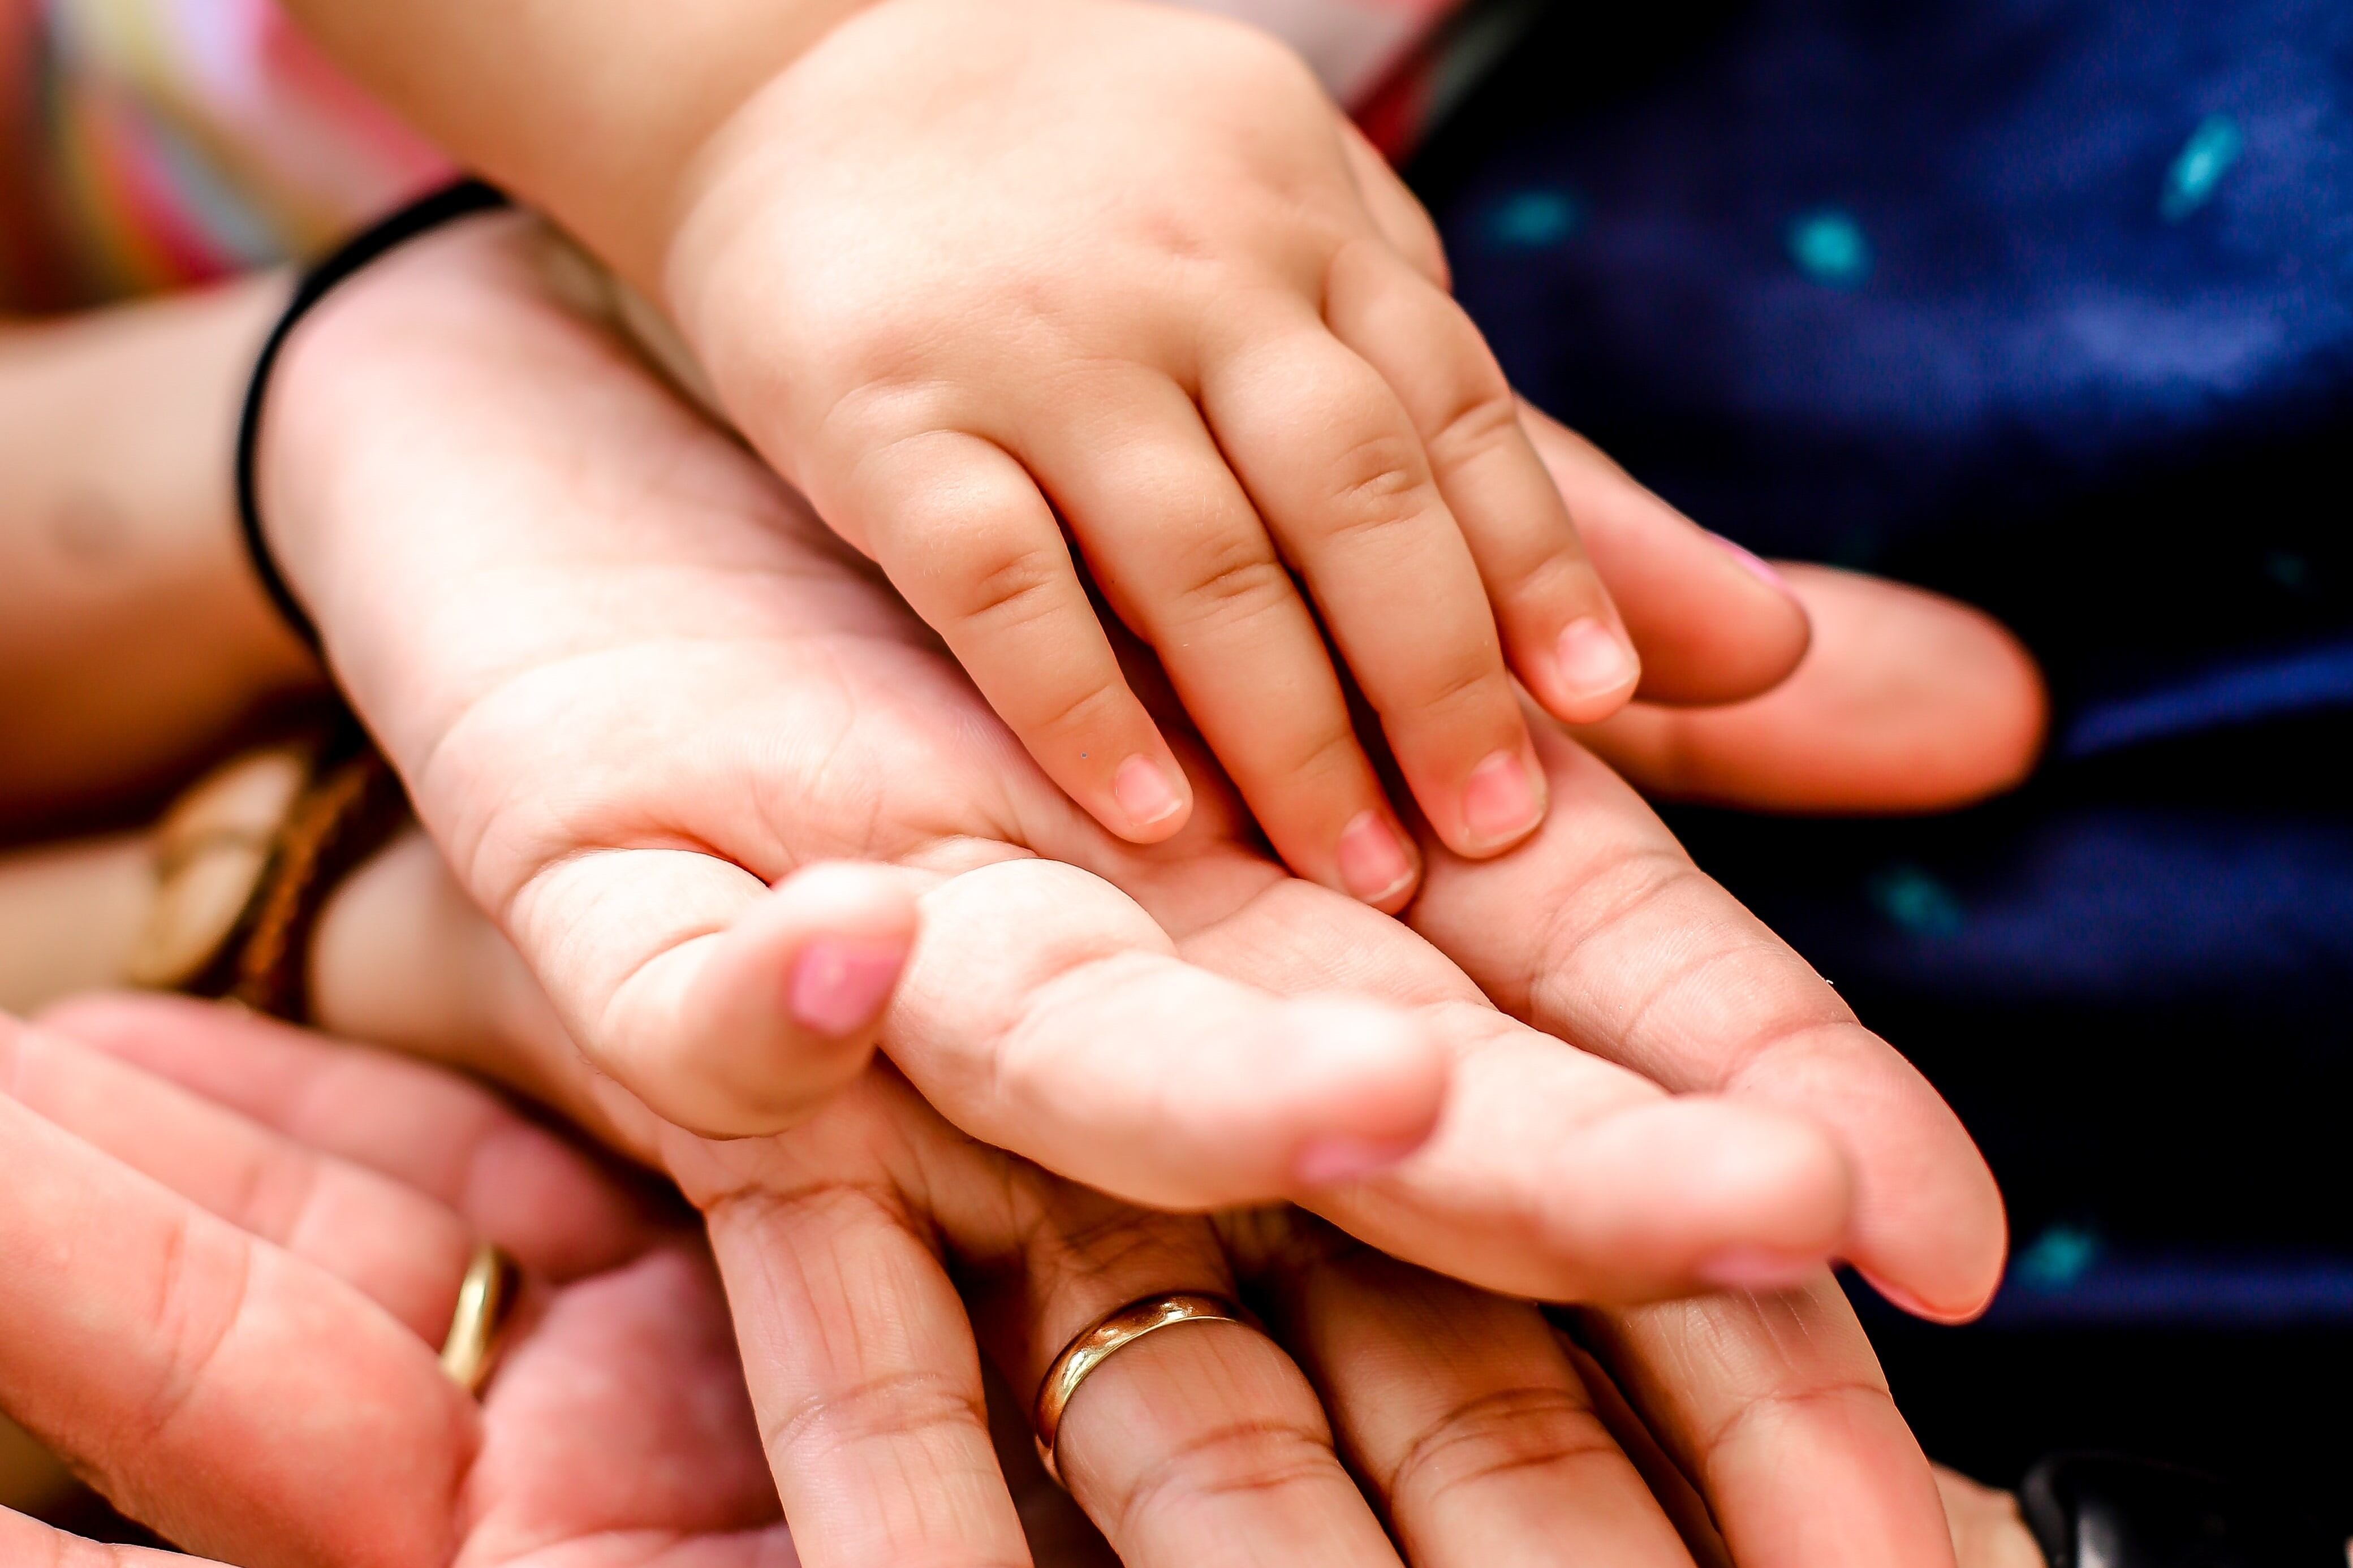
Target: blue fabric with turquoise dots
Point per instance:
(2048, 303)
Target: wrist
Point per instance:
(306, 425)
(620, 95)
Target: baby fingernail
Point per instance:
(1758, 566)
(1758, 1269)
(839, 987)
(1500, 801)
(1329, 1162)
(1374, 865)
(1144, 792)
(1594, 660)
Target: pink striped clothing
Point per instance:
(147, 144)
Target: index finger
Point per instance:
(1640, 958)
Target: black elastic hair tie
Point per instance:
(420, 216)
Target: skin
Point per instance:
(1136, 278)
(130, 631)
(248, 1363)
(1470, 1426)
(612, 689)
(242, 1146)
(1300, 1249)
(1025, 967)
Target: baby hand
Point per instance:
(973, 272)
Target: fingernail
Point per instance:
(1758, 1269)
(839, 987)
(1594, 660)
(1500, 802)
(1905, 1301)
(1756, 565)
(1374, 866)
(1329, 1162)
(1144, 793)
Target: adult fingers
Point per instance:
(1558, 627)
(1195, 1446)
(1775, 1407)
(1182, 556)
(1713, 623)
(441, 1136)
(217, 1389)
(729, 1008)
(396, 1246)
(1552, 1173)
(1456, 1407)
(1046, 1013)
(26, 1539)
(1643, 960)
(860, 1361)
(1336, 468)
(964, 533)
(1906, 701)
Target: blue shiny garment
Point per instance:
(2047, 304)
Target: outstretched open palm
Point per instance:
(633, 685)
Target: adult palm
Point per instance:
(633, 685)
(229, 1325)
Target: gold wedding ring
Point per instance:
(486, 1300)
(1109, 1336)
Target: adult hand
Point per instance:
(630, 683)
(1479, 1434)
(228, 1322)
(1904, 702)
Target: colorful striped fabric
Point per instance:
(154, 143)
(149, 144)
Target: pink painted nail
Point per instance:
(1144, 793)
(1758, 1269)
(1329, 1162)
(1593, 661)
(1374, 866)
(1500, 801)
(1758, 565)
(839, 987)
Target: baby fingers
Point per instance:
(964, 532)
(1562, 634)
(1337, 469)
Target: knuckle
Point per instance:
(1457, 682)
(1500, 1432)
(1095, 708)
(1234, 1459)
(994, 584)
(1231, 581)
(1765, 1415)
(1479, 421)
(1316, 757)
(886, 1408)
(197, 1303)
(1377, 484)
(1449, 690)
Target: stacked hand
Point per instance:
(631, 685)
(971, 272)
